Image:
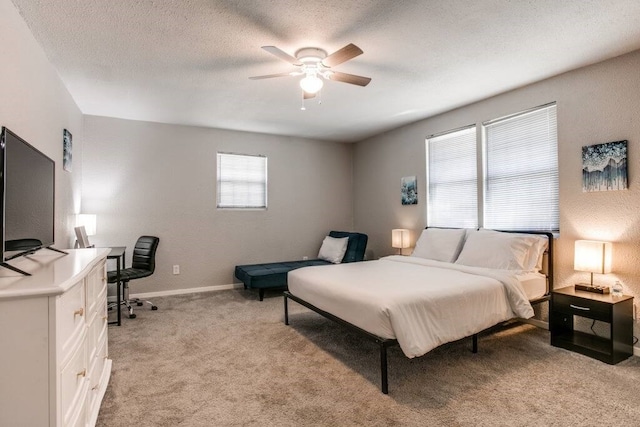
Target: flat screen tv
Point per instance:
(27, 200)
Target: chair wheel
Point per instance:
(153, 307)
(139, 304)
(132, 316)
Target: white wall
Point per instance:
(35, 104)
(596, 104)
(149, 178)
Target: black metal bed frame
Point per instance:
(385, 343)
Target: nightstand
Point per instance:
(617, 311)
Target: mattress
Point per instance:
(421, 303)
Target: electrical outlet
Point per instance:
(304, 258)
(176, 269)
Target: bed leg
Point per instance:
(286, 310)
(383, 369)
(475, 343)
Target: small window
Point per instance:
(452, 179)
(242, 181)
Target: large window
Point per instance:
(242, 181)
(521, 172)
(517, 188)
(452, 179)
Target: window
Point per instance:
(521, 172)
(242, 181)
(517, 189)
(452, 179)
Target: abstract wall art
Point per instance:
(409, 190)
(604, 166)
(67, 158)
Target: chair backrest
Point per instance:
(144, 253)
(355, 247)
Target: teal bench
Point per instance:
(274, 275)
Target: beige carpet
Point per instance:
(225, 359)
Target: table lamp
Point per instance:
(594, 257)
(400, 239)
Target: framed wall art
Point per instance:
(67, 158)
(604, 166)
(409, 190)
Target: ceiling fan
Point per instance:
(315, 65)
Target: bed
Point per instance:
(456, 284)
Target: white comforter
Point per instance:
(419, 302)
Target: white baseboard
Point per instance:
(636, 351)
(187, 291)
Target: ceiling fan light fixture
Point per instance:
(311, 83)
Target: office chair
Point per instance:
(143, 265)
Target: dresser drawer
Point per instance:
(73, 384)
(97, 364)
(70, 318)
(78, 416)
(96, 284)
(96, 332)
(585, 307)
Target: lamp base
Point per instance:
(596, 289)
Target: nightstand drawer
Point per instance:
(582, 307)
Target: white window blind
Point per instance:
(521, 172)
(242, 181)
(452, 188)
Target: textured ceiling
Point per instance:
(188, 61)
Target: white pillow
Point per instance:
(542, 247)
(333, 249)
(440, 244)
(493, 249)
(534, 260)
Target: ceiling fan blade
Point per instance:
(307, 95)
(268, 76)
(348, 52)
(282, 55)
(349, 78)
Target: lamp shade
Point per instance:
(400, 238)
(592, 256)
(88, 221)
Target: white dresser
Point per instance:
(54, 364)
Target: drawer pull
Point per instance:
(78, 312)
(82, 373)
(577, 307)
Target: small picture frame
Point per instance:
(409, 190)
(67, 159)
